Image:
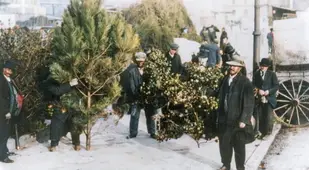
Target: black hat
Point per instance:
(10, 64)
(265, 62)
(174, 46)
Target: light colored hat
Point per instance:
(140, 56)
(236, 61)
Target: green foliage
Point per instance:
(33, 54)
(190, 99)
(158, 21)
(93, 47)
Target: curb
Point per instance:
(262, 149)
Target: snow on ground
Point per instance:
(290, 151)
(111, 151)
(187, 48)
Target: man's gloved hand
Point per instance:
(8, 116)
(47, 122)
(74, 82)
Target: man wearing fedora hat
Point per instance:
(9, 106)
(236, 104)
(266, 83)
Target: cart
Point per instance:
(293, 96)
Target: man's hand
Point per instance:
(74, 82)
(262, 92)
(47, 122)
(242, 125)
(8, 116)
(266, 93)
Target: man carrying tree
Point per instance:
(59, 114)
(236, 104)
(136, 80)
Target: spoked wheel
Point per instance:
(293, 103)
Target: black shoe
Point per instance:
(130, 137)
(7, 160)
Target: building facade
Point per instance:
(22, 9)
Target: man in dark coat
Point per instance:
(136, 81)
(57, 112)
(236, 104)
(8, 108)
(174, 60)
(267, 85)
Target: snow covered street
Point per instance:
(112, 151)
(290, 151)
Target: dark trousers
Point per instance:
(229, 141)
(266, 118)
(60, 127)
(4, 136)
(135, 111)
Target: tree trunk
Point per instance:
(88, 132)
(88, 139)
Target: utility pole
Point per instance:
(256, 34)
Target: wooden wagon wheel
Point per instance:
(293, 103)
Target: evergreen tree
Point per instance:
(32, 54)
(94, 47)
(159, 21)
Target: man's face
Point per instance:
(140, 64)
(263, 68)
(173, 52)
(7, 72)
(234, 70)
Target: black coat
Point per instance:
(240, 102)
(176, 65)
(135, 83)
(269, 83)
(227, 53)
(4, 100)
(52, 91)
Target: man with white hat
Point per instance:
(236, 104)
(136, 81)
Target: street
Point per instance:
(289, 151)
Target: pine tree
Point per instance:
(94, 47)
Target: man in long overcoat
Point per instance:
(59, 114)
(236, 104)
(8, 107)
(266, 82)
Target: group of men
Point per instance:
(236, 101)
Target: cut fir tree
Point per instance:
(93, 47)
(189, 100)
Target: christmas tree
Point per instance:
(93, 47)
(189, 100)
(28, 49)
